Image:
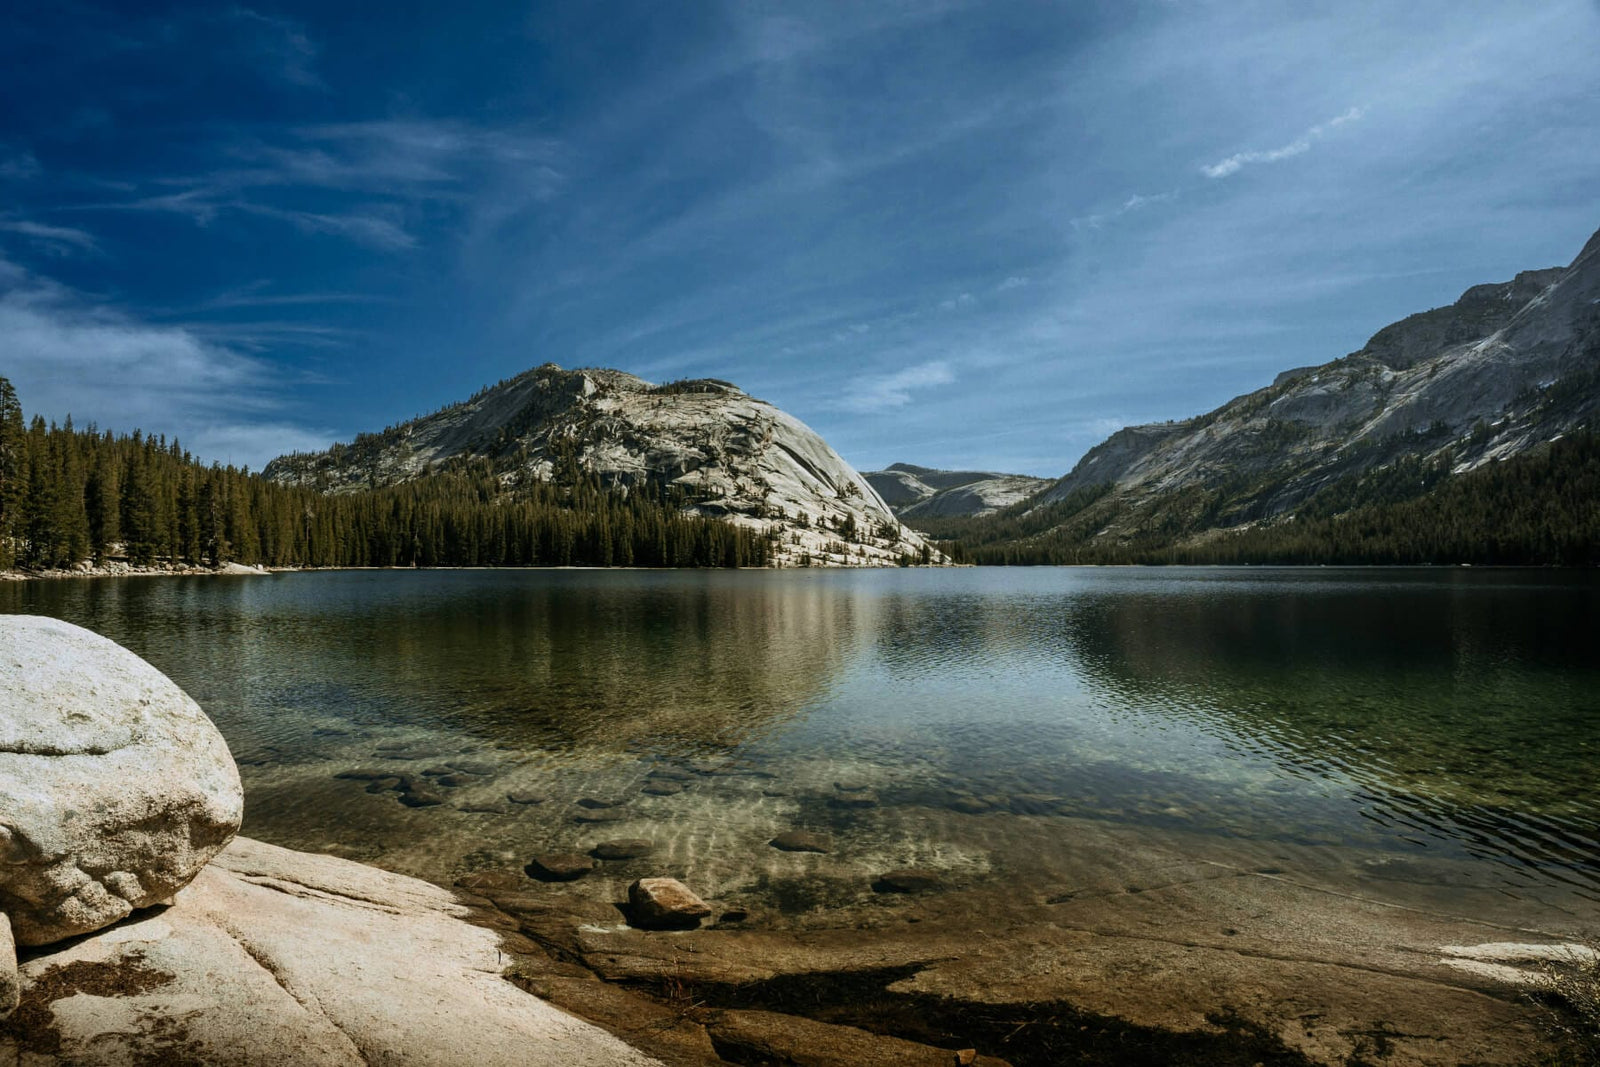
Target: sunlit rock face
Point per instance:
(1507, 367)
(731, 455)
(926, 493)
(115, 788)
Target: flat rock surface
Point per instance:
(275, 957)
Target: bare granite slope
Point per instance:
(924, 492)
(734, 457)
(1507, 367)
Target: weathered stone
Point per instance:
(273, 958)
(664, 904)
(627, 849)
(910, 880)
(802, 841)
(10, 981)
(560, 866)
(115, 789)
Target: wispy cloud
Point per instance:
(18, 166)
(1299, 146)
(70, 355)
(880, 392)
(1134, 202)
(396, 167)
(57, 240)
(283, 46)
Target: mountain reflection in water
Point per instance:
(1439, 712)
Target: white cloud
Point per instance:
(1016, 281)
(1299, 146)
(68, 356)
(880, 392)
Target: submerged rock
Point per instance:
(523, 796)
(598, 804)
(484, 807)
(853, 800)
(627, 849)
(115, 788)
(802, 841)
(665, 904)
(491, 881)
(910, 880)
(560, 866)
(663, 788)
(603, 815)
(478, 767)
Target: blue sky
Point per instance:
(961, 234)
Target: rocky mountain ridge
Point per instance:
(725, 453)
(1507, 367)
(925, 492)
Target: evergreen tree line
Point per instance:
(69, 495)
(1540, 508)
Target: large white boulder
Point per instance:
(115, 788)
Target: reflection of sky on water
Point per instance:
(1445, 710)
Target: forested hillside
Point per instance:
(1541, 507)
(70, 495)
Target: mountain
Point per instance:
(1497, 375)
(703, 443)
(923, 492)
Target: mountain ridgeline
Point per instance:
(1464, 434)
(925, 493)
(704, 445)
(72, 498)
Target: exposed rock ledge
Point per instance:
(278, 958)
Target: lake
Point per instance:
(1439, 723)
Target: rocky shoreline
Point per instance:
(129, 570)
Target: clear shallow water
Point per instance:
(1433, 715)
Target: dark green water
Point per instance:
(1446, 715)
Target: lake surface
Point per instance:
(1441, 723)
